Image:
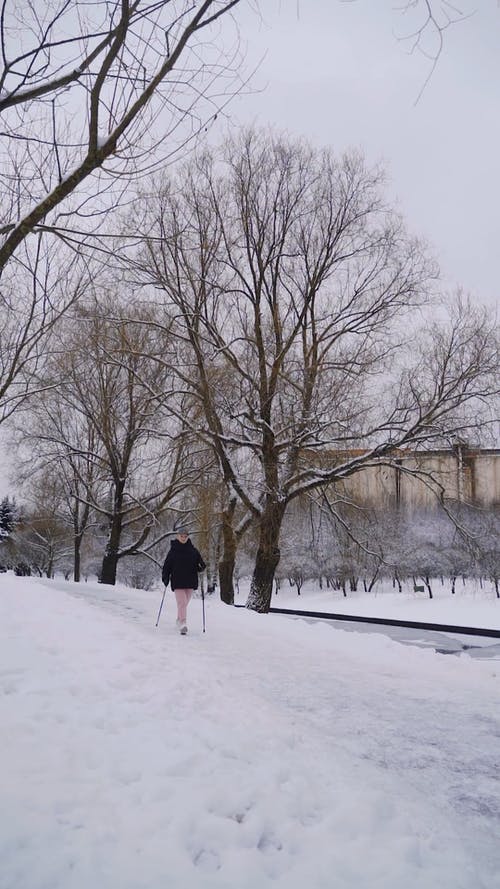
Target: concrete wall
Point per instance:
(467, 476)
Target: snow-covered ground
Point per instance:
(470, 606)
(267, 752)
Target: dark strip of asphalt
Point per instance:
(411, 624)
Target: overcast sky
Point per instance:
(336, 72)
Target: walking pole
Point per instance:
(203, 605)
(161, 606)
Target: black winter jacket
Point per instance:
(182, 565)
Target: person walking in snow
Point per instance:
(181, 568)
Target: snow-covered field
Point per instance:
(267, 752)
(471, 605)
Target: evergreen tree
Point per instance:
(8, 513)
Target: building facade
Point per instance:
(417, 480)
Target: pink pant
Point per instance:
(183, 597)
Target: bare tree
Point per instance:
(92, 94)
(103, 424)
(42, 541)
(482, 533)
(79, 93)
(54, 441)
(35, 293)
(289, 280)
(423, 25)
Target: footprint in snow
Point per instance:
(207, 860)
(269, 843)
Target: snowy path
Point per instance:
(266, 753)
(444, 643)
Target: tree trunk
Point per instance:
(109, 566)
(80, 519)
(226, 574)
(110, 560)
(77, 558)
(267, 559)
(227, 562)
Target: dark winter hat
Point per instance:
(181, 529)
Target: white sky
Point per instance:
(336, 73)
